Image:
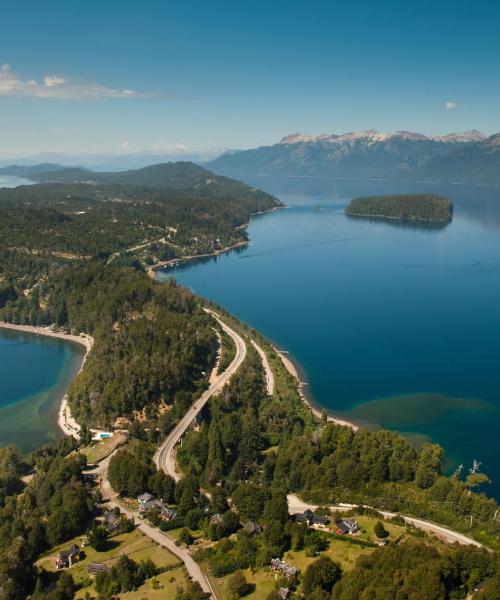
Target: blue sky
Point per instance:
(120, 76)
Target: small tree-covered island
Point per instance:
(403, 207)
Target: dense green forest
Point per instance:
(46, 227)
(405, 207)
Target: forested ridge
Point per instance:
(46, 227)
(405, 207)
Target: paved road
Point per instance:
(153, 533)
(165, 455)
(295, 505)
(267, 369)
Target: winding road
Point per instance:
(165, 455)
(153, 533)
(296, 505)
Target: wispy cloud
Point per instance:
(57, 87)
(451, 105)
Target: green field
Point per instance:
(134, 544)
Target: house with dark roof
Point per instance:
(67, 558)
(252, 528)
(283, 568)
(348, 526)
(167, 514)
(111, 521)
(310, 518)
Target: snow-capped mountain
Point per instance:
(368, 154)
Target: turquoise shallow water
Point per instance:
(34, 374)
(394, 326)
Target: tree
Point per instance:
(237, 586)
(185, 537)
(323, 574)
(379, 530)
(98, 537)
(276, 509)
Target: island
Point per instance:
(403, 207)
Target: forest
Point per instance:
(404, 207)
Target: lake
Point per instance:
(35, 372)
(394, 325)
(8, 181)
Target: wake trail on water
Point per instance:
(293, 247)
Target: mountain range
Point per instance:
(468, 157)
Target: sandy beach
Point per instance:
(65, 420)
(290, 367)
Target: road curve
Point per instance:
(295, 505)
(165, 456)
(112, 501)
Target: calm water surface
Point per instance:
(395, 326)
(34, 374)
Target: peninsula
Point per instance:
(403, 207)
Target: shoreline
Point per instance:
(403, 220)
(65, 420)
(291, 367)
(152, 269)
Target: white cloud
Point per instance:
(451, 105)
(169, 148)
(57, 87)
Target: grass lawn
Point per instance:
(134, 544)
(341, 552)
(168, 582)
(174, 533)
(263, 580)
(100, 450)
(368, 523)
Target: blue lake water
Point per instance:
(395, 326)
(35, 371)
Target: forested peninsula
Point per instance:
(155, 351)
(403, 207)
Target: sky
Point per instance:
(115, 77)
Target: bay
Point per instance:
(35, 372)
(394, 325)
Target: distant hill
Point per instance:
(177, 176)
(467, 157)
(28, 171)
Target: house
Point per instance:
(278, 566)
(216, 519)
(283, 593)
(479, 587)
(111, 521)
(95, 568)
(348, 526)
(252, 528)
(67, 558)
(144, 499)
(310, 518)
(167, 514)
